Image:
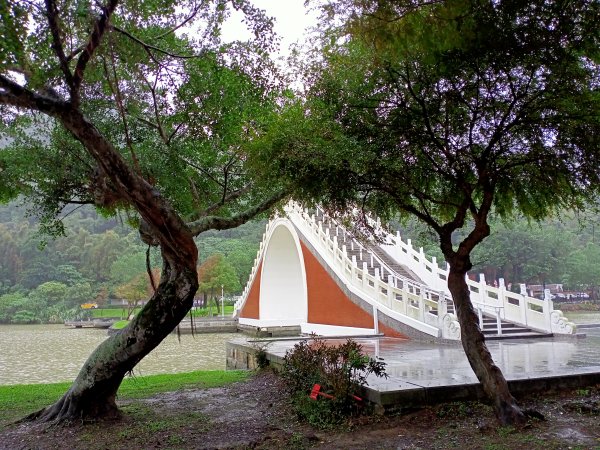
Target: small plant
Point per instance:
(340, 371)
(582, 392)
(260, 355)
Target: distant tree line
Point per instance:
(46, 280)
(564, 249)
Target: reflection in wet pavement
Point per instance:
(438, 364)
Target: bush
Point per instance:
(260, 355)
(340, 370)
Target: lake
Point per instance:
(53, 353)
(583, 317)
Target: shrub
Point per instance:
(260, 355)
(340, 370)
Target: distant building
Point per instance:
(537, 290)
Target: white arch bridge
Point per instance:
(311, 273)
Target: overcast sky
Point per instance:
(291, 20)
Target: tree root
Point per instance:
(69, 410)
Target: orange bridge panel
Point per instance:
(329, 305)
(250, 310)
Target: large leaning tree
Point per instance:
(138, 108)
(449, 111)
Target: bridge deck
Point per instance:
(422, 373)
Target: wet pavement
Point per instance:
(431, 372)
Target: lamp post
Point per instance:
(222, 309)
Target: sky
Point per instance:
(291, 20)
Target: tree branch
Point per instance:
(16, 95)
(57, 46)
(224, 223)
(100, 27)
(231, 196)
(149, 47)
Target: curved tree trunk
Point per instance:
(489, 375)
(93, 393)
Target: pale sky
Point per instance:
(291, 20)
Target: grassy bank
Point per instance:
(18, 400)
(122, 312)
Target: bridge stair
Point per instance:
(378, 262)
(398, 268)
(381, 263)
(401, 282)
(508, 330)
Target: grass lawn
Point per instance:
(204, 312)
(122, 312)
(109, 312)
(16, 401)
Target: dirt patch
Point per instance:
(256, 414)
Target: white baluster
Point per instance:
(498, 321)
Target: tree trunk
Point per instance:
(92, 395)
(489, 375)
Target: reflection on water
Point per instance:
(52, 353)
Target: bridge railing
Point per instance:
(422, 307)
(253, 273)
(499, 302)
(519, 308)
(418, 302)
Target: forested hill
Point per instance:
(98, 258)
(101, 258)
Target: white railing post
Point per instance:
(422, 305)
(502, 295)
(375, 319)
(482, 289)
(498, 322)
(442, 309)
(390, 293)
(548, 307)
(523, 289)
(480, 316)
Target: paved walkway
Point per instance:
(428, 373)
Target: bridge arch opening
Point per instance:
(283, 292)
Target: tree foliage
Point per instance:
(449, 111)
(120, 105)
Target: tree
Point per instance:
(134, 292)
(10, 259)
(584, 268)
(10, 304)
(525, 253)
(116, 104)
(217, 274)
(449, 111)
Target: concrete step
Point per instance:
(533, 334)
(394, 265)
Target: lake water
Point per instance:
(583, 317)
(53, 353)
